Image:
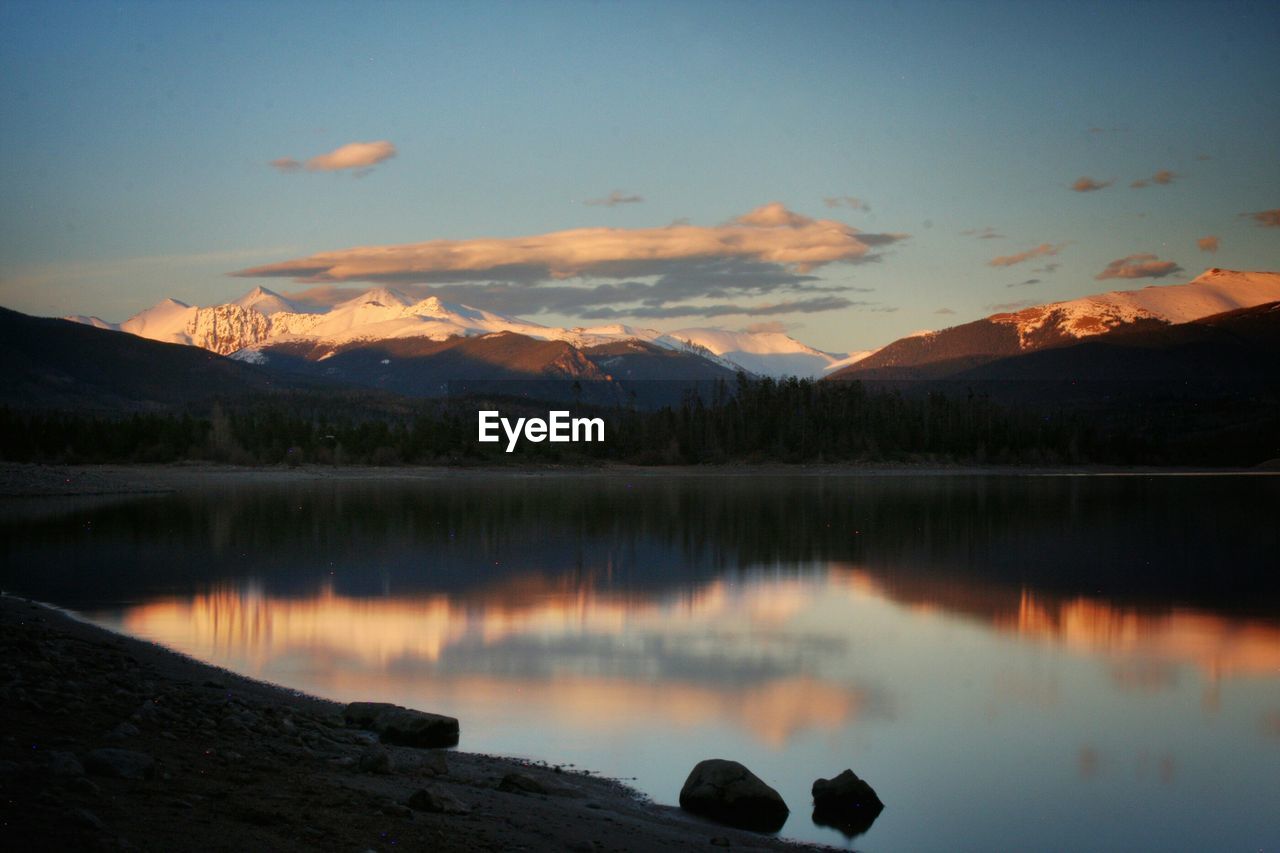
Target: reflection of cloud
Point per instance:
(1138, 266)
(1088, 185)
(1043, 250)
(945, 311)
(1270, 724)
(604, 660)
(614, 199)
(1144, 676)
(1208, 244)
(1218, 647)
(1024, 283)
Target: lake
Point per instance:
(1012, 662)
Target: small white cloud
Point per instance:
(353, 155)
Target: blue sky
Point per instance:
(136, 144)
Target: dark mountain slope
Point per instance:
(57, 364)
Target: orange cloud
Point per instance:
(1266, 218)
(353, 155)
(1208, 244)
(1162, 177)
(770, 234)
(614, 199)
(1088, 185)
(848, 201)
(1138, 266)
(1042, 250)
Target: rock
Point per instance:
(84, 786)
(65, 764)
(397, 810)
(122, 731)
(375, 759)
(86, 818)
(403, 726)
(120, 764)
(727, 792)
(434, 799)
(846, 803)
(518, 783)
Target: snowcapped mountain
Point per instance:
(262, 319)
(958, 348)
(767, 353)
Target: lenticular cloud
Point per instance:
(770, 234)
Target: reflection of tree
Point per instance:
(1147, 542)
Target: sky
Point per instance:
(846, 172)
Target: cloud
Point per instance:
(775, 239)
(1042, 250)
(353, 155)
(1164, 177)
(614, 199)
(986, 233)
(945, 311)
(1088, 185)
(1006, 307)
(766, 327)
(1047, 268)
(679, 270)
(1138, 266)
(1024, 283)
(1203, 157)
(845, 201)
(799, 306)
(1266, 218)
(1208, 244)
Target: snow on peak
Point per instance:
(377, 297)
(766, 353)
(265, 301)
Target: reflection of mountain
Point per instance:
(1154, 542)
(1219, 647)
(582, 653)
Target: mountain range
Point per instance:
(952, 351)
(262, 324)
(1218, 328)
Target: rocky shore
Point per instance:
(112, 743)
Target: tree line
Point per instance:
(754, 420)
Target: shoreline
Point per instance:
(219, 761)
(20, 480)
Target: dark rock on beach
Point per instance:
(729, 793)
(403, 726)
(120, 763)
(221, 762)
(846, 803)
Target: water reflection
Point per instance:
(999, 657)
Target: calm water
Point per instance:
(1012, 662)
